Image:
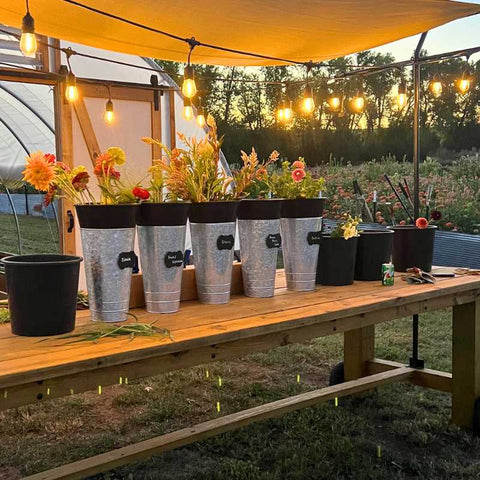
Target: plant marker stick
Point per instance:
(399, 198)
(379, 451)
(405, 193)
(336, 401)
(219, 381)
(218, 407)
(374, 204)
(298, 378)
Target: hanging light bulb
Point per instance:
(71, 90)
(189, 88)
(463, 84)
(187, 109)
(436, 86)
(334, 102)
(28, 40)
(201, 117)
(358, 102)
(109, 116)
(281, 112)
(402, 95)
(287, 110)
(308, 104)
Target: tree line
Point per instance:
(246, 111)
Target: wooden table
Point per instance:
(33, 371)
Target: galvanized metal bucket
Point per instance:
(300, 238)
(161, 258)
(108, 238)
(212, 246)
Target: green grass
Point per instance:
(411, 425)
(39, 235)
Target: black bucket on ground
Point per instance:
(336, 261)
(413, 247)
(42, 293)
(374, 249)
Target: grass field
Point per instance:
(38, 235)
(409, 424)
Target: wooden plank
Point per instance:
(156, 126)
(202, 431)
(425, 378)
(173, 128)
(359, 346)
(465, 362)
(100, 90)
(86, 127)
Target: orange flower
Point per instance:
(421, 223)
(39, 171)
(298, 174)
(104, 165)
(298, 164)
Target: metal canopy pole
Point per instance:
(416, 362)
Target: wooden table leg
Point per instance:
(358, 347)
(465, 362)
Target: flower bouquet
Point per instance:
(301, 222)
(107, 224)
(258, 225)
(336, 262)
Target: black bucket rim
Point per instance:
(411, 227)
(376, 232)
(60, 260)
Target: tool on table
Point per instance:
(467, 271)
(374, 204)
(364, 211)
(402, 203)
(416, 276)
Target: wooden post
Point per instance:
(358, 348)
(465, 362)
(173, 133)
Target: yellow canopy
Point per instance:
(299, 30)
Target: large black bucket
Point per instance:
(374, 249)
(42, 293)
(336, 261)
(413, 247)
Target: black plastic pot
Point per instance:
(336, 261)
(42, 293)
(259, 209)
(303, 207)
(213, 212)
(374, 249)
(413, 247)
(163, 214)
(107, 216)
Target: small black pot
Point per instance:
(336, 261)
(413, 247)
(42, 293)
(259, 209)
(166, 214)
(213, 212)
(374, 249)
(303, 207)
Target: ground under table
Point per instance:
(33, 371)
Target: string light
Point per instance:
(308, 103)
(189, 88)
(28, 40)
(463, 84)
(358, 102)
(334, 102)
(201, 117)
(287, 110)
(109, 116)
(436, 86)
(187, 109)
(280, 112)
(71, 90)
(402, 94)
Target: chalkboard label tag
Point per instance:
(314, 238)
(225, 242)
(174, 259)
(126, 260)
(274, 240)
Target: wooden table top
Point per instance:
(24, 359)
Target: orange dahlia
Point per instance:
(39, 171)
(298, 175)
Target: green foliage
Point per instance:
(4, 315)
(294, 182)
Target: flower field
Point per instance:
(455, 202)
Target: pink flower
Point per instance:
(298, 174)
(421, 223)
(403, 222)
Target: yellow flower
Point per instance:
(77, 170)
(117, 155)
(349, 232)
(39, 172)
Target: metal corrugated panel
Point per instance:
(457, 250)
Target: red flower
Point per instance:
(298, 174)
(63, 166)
(80, 180)
(141, 193)
(49, 157)
(449, 225)
(50, 195)
(298, 164)
(436, 215)
(421, 223)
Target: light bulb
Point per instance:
(28, 40)
(189, 88)
(71, 90)
(359, 102)
(463, 85)
(308, 104)
(334, 103)
(436, 86)
(109, 116)
(201, 117)
(402, 95)
(187, 109)
(280, 113)
(287, 111)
